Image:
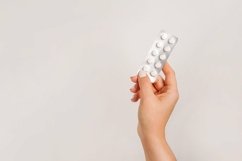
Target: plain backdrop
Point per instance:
(64, 78)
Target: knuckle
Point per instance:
(176, 95)
(173, 72)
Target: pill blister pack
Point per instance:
(158, 54)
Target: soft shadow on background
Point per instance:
(64, 78)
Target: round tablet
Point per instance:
(167, 48)
(154, 53)
(158, 65)
(159, 44)
(150, 60)
(172, 40)
(163, 36)
(162, 57)
(146, 68)
(153, 73)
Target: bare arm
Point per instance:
(157, 102)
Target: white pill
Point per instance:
(146, 68)
(159, 44)
(154, 53)
(162, 57)
(150, 61)
(172, 40)
(158, 65)
(163, 36)
(153, 73)
(167, 48)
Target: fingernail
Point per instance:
(142, 73)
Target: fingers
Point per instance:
(156, 87)
(159, 83)
(146, 87)
(135, 97)
(135, 88)
(134, 79)
(170, 78)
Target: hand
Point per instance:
(157, 102)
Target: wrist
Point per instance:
(151, 135)
(155, 146)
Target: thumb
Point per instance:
(145, 85)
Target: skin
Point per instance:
(157, 102)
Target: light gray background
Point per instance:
(64, 78)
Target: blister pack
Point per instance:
(158, 54)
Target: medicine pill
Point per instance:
(146, 68)
(150, 60)
(162, 57)
(167, 49)
(158, 54)
(163, 36)
(172, 40)
(159, 44)
(154, 52)
(153, 73)
(158, 65)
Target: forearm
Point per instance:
(156, 148)
(157, 101)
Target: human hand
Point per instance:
(157, 101)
